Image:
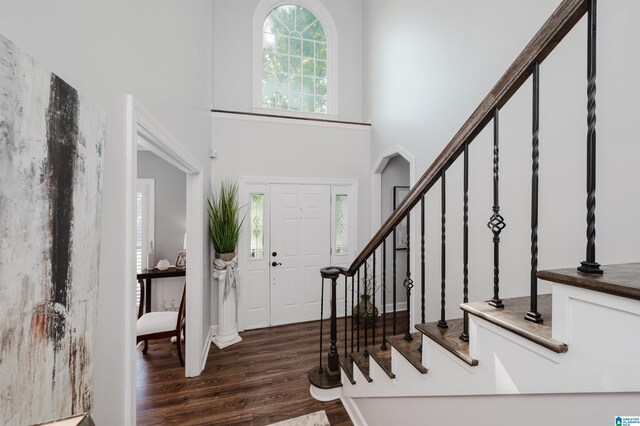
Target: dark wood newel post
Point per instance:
(590, 266)
(332, 356)
(329, 376)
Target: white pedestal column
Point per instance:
(228, 327)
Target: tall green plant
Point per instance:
(224, 218)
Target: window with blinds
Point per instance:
(145, 205)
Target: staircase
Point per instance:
(568, 341)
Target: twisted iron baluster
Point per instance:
(383, 346)
(352, 294)
(408, 282)
(321, 318)
(465, 246)
(359, 314)
(366, 310)
(345, 316)
(422, 251)
(590, 266)
(394, 281)
(442, 323)
(496, 223)
(373, 296)
(533, 315)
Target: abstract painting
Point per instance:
(51, 149)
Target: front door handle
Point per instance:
(274, 263)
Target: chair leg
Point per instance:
(179, 345)
(146, 346)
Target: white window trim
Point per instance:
(147, 187)
(352, 206)
(260, 14)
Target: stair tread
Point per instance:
(410, 349)
(620, 280)
(383, 358)
(449, 338)
(362, 362)
(511, 318)
(347, 367)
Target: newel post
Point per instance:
(333, 367)
(325, 381)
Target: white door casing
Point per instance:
(256, 286)
(301, 237)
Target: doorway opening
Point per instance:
(143, 131)
(393, 172)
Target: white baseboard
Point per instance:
(353, 411)
(400, 306)
(207, 345)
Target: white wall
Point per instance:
(284, 148)
(155, 50)
(428, 64)
(395, 173)
(170, 223)
(232, 85)
(533, 410)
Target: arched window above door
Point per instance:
(295, 67)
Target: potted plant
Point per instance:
(224, 230)
(224, 221)
(365, 308)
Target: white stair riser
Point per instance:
(602, 356)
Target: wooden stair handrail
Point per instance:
(559, 24)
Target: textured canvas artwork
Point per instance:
(51, 145)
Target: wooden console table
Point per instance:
(148, 275)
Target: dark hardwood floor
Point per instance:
(261, 380)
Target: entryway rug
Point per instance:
(319, 418)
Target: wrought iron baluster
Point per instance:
(422, 270)
(496, 223)
(442, 323)
(383, 346)
(590, 266)
(345, 316)
(373, 296)
(408, 282)
(465, 245)
(352, 294)
(394, 243)
(321, 318)
(533, 315)
(359, 313)
(366, 309)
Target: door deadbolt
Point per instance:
(274, 254)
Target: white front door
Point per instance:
(300, 247)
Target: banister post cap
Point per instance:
(331, 272)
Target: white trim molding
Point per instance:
(144, 131)
(291, 120)
(317, 8)
(353, 411)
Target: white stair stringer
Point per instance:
(600, 330)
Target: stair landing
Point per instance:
(511, 318)
(620, 280)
